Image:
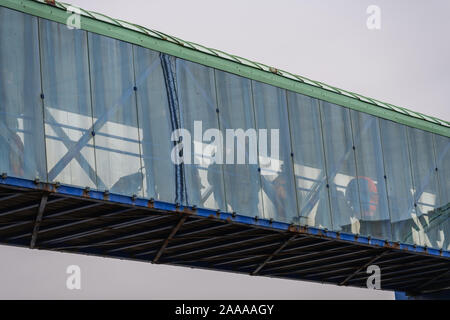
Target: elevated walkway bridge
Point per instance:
(87, 117)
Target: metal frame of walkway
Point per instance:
(68, 219)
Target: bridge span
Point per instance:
(97, 118)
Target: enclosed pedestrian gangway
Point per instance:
(92, 116)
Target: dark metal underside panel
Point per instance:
(52, 221)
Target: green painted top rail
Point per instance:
(152, 39)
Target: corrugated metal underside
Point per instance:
(87, 226)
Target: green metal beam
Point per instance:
(212, 58)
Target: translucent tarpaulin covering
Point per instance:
(155, 126)
(235, 103)
(115, 115)
(91, 111)
(277, 178)
(309, 161)
(22, 147)
(197, 96)
(375, 218)
(67, 103)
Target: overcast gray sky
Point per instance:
(405, 63)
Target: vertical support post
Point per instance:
(38, 220)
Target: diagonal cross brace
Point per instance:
(363, 267)
(262, 265)
(38, 221)
(434, 279)
(170, 237)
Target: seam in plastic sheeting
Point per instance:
(172, 96)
